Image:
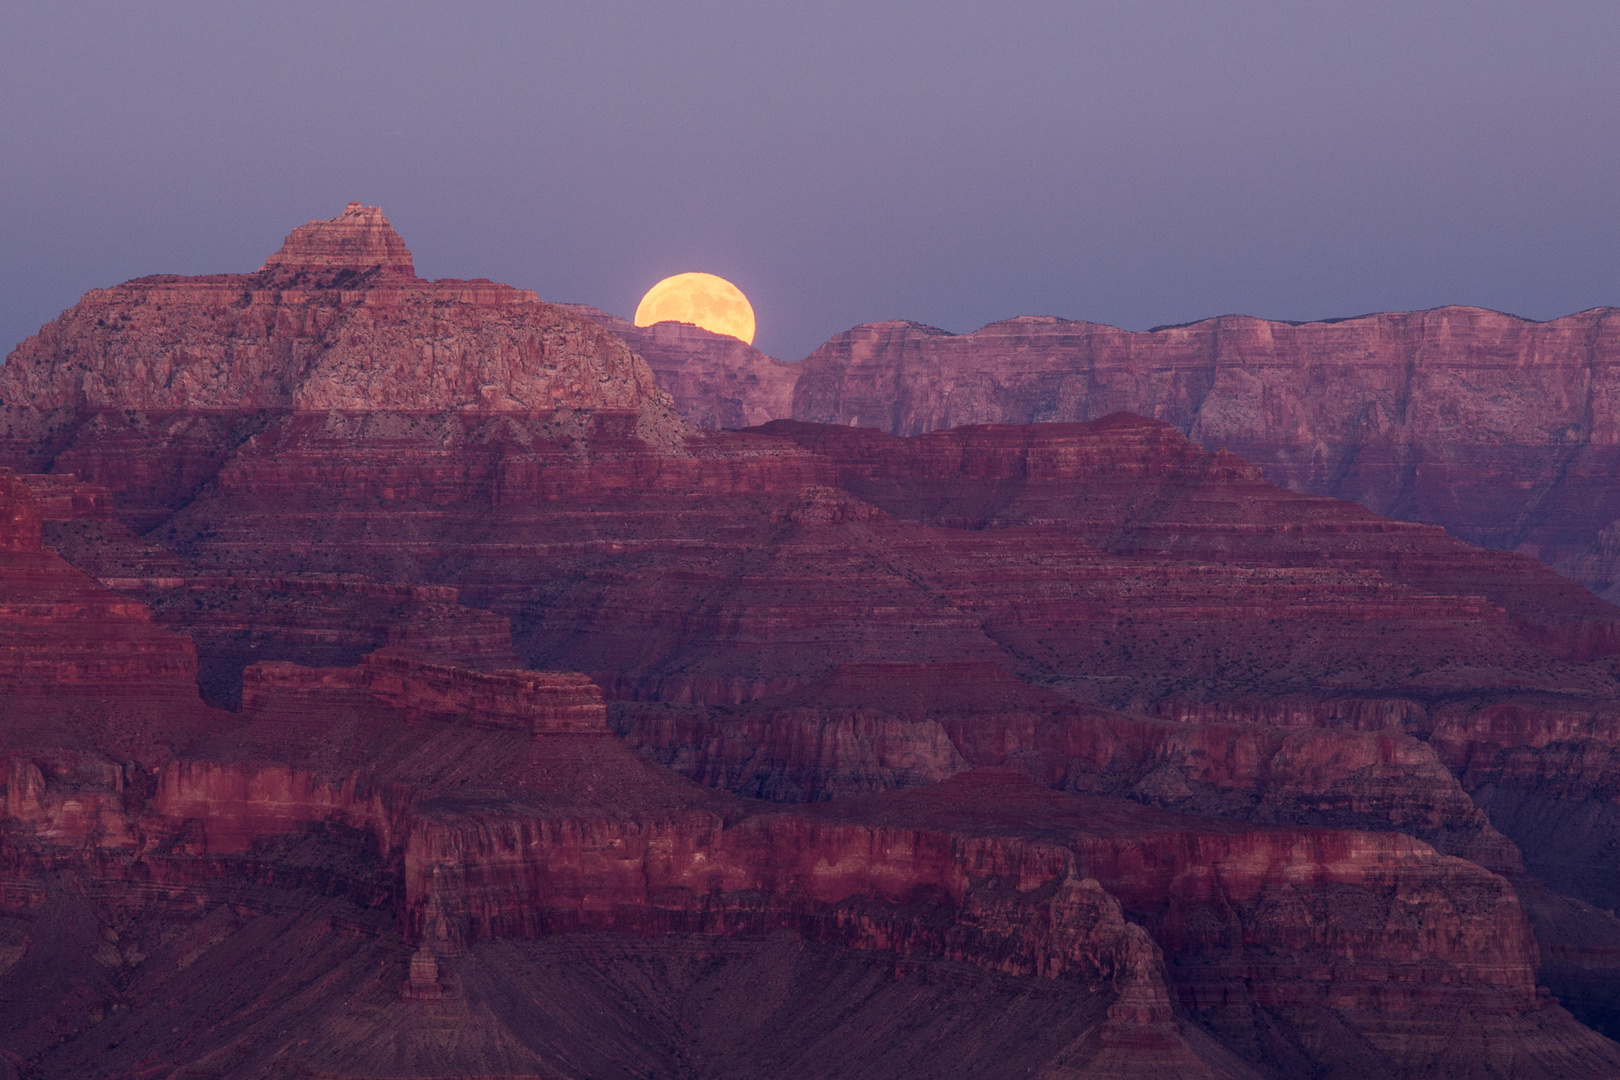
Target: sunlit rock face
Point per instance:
(717, 380)
(1480, 421)
(147, 386)
(1498, 428)
(335, 320)
(360, 239)
(1421, 414)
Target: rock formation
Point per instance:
(718, 380)
(1173, 932)
(147, 386)
(1495, 427)
(536, 702)
(61, 632)
(359, 239)
(550, 734)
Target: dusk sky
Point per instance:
(1134, 163)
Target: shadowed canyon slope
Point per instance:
(719, 381)
(457, 708)
(1500, 429)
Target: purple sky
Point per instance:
(1135, 162)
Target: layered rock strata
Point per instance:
(241, 619)
(360, 238)
(987, 870)
(1487, 424)
(61, 632)
(1189, 925)
(1137, 569)
(874, 727)
(1173, 768)
(1492, 426)
(540, 703)
(715, 379)
(148, 386)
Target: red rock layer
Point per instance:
(147, 387)
(332, 456)
(1137, 488)
(60, 631)
(1492, 426)
(878, 726)
(236, 344)
(1181, 920)
(1117, 559)
(479, 865)
(242, 619)
(1548, 769)
(739, 565)
(541, 703)
(716, 380)
(206, 824)
(358, 238)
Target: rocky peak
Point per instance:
(360, 238)
(336, 319)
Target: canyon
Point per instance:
(1497, 428)
(397, 684)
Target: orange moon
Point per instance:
(703, 299)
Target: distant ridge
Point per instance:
(1500, 428)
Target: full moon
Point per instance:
(708, 301)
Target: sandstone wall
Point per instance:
(541, 703)
(1498, 428)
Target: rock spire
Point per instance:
(360, 238)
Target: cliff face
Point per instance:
(1067, 749)
(145, 387)
(470, 809)
(238, 344)
(718, 381)
(61, 632)
(1497, 428)
(1166, 929)
(1116, 559)
(536, 702)
(239, 619)
(916, 725)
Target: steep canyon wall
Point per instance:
(568, 737)
(1498, 428)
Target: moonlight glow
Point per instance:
(703, 299)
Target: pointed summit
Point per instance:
(360, 238)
